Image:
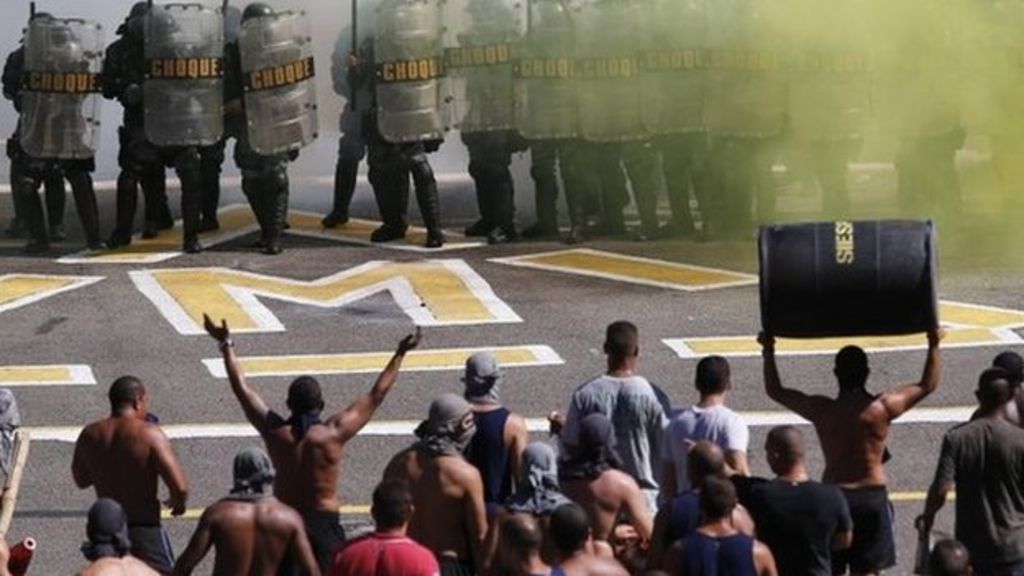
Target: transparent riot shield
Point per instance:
(278, 76)
(827, 57)
(672, 66)
(746, 86)
(607, 69)
(409, 68)
(546, 105)
(991, 47)
(183, 91)
(60, 96)
(480, 36)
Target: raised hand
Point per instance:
(218, 333)
(411, 341)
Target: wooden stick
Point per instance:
(9, 499)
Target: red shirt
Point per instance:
(381, 554)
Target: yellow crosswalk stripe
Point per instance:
(57, 375)
(372, 362)
(631, 269)
(18, 290)
(358, 230)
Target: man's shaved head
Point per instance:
(785, 448)
(949, 558)
(125, 391)
(851, 368)
(993, 388)
(703, 460)
(521, 534)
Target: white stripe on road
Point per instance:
(936, 415)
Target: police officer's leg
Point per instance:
(351, 150)
(543, 156)
(830, 163)
(641, 164)
(426, 193)
(79, 174)
(677, 156)
(483, 183)
(763, 156)
(186, 164)
(580, 181)
(504, 191)
(16, 228)
(210, 160)
(275, 188)
(614, 196)
(56, 198)
(27, 189)
(153, 181)
(390, 182)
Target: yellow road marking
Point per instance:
(235, 220)
(631, 269)
(970, 325)
(416, 360)
(68, 375)
(358, 231)
(431, 292)
(18, 290)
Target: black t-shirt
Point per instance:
(798, 523)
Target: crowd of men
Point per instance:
(624, 484)
(614, 99)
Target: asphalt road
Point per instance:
(114, 328)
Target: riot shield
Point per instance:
(278, 76)
(746, 89)
(546, 105)
(672, 66)
(480, 37)
(608, 80)
(409, 69)
(915, 69)
(827, 59)
(60, 95)
(183, 91)
(991, 45)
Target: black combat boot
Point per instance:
(344, 188)
(430, 209)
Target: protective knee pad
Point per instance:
(422, 173)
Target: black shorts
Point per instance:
(451, 566)
(874, 546)
(151, 545)
(325, 533)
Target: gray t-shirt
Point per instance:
(637, 417)
(985, 459)
(717, 424)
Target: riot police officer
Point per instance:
(270, 126)
(405, 124)
(140, 161)
(57, 127)
(351, 145)
(53, 180)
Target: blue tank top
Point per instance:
(727, 556)
(487, 451)
(683, 516)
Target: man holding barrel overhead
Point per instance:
(852, 430)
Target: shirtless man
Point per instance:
(305, 449)
(123, 456)
(570, 533)
(448, 495)
(252, 531)
(852, 430)
(591, 478)
(107, 548)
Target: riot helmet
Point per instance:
(256, 10)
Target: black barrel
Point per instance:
(848, 278)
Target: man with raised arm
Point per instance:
(305, 449)
(852, 429)
(124, 456)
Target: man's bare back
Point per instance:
(250, 538)
(125, 566)
(308, 470)
(607, 498)
(123, 456)
(443, 489)
(853, 427)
